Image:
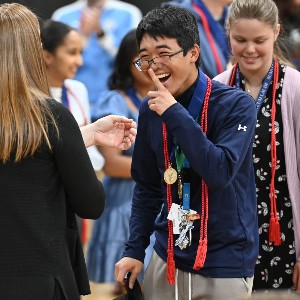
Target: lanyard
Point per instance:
(134, 98)
(265, 86)
(193, 109)
(65, 101)
(64, 97)
(208, 28)
(195, 104)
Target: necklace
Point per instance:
(247, 90)
(245, 85)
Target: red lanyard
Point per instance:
(202, 247)
(209, 37)
(274, 226)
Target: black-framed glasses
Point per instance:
(145, 64)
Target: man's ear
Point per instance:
(194, 53)
(48, 57)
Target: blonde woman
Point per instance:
(262, 71)
(42, 160)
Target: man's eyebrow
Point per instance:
(157, 47)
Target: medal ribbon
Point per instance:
(202, 247)
(274, 225)
(180, 158)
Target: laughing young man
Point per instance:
(193, 170)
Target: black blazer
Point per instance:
(39, 196)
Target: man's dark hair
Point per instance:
(170, 22)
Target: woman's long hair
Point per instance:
(24, 90)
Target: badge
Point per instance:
(170, 175)
(187, 218)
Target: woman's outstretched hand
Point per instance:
(113, 131)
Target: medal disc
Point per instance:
(170, 175)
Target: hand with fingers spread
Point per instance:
(125, 265)
(161, 99)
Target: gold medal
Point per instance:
(170, 175)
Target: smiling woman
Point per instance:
(62, 53)
(253, 28)
(62, 46)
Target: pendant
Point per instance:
(170, 175)
(184, 241)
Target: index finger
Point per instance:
(121, 119)
(120, 276)
(155, 80)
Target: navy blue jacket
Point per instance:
(223, 159)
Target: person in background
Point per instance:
(103, 23)
(289, 15)
(62, 52)
(210, 16)
(42, 160)
(128, 87)
(192, 164)
(262, 71)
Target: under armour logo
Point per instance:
(242, 127)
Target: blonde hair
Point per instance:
(264, 11)
(23, 84)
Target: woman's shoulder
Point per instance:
(291, 80)
(75, 83)
(76, 87)
(111, 95)
(224, 76)
(55, 106)
(111, 102)
(60, 113)
(292, 72)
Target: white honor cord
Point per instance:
(176, 285)
(190, 286)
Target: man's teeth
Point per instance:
(160, 76)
